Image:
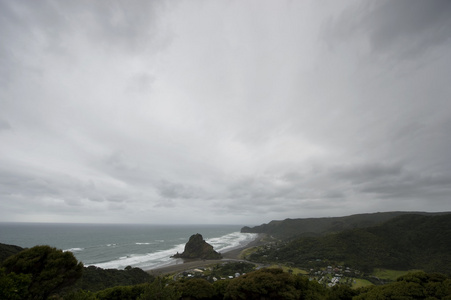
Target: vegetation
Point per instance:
(391, 275)
(50, 270)
(314, 227)
(403, 243)
(8, 250)
(230, 269)
(39, 272)
(418, 285)
(272, 284)
(95, 279)
(359, 283)
(276, 284)
(14, 286)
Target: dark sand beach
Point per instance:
(232, 255)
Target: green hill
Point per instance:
(8, 250)
(412, 241)
(311, 227)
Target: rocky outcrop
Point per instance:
(197, 247)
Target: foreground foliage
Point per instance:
(96, 279)
(276, 284)
(273, 284)
(50, 270)
(14, 286)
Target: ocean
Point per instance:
(116, 246)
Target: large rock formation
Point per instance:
(198, 248)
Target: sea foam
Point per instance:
(74, 250)
(149, 260)
(161, 258)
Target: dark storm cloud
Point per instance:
(403, 29)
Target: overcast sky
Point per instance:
(235, 112)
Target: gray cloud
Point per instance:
(4, 125)
(403, 29)
(172, 190)
(222, 112)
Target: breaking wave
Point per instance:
(163, 257)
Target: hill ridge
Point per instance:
(410, 241)
(302, 227)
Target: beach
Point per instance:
(232, 255)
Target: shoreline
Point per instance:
(232, 255)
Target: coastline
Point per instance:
(232, 255)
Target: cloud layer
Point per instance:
(223, 112)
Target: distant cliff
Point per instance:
(197, 247)
(311, 227)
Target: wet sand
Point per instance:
(232, 255)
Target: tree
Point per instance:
(417, 285)
(159, 290)
(342, 292)
(50, 269)
(195, 288)
(13, 286)
(130, 292)
(263, 284)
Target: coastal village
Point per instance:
(223, 271)
(329, 276)
(196, 247)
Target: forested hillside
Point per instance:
(290, 228)
(405, 242)
(8, 250)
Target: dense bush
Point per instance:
(418, 285)
(159, 289)
(14, 286)
(50, 269)
(272, 284)
(96, 279)
(8, 250)
(121, 292)
(195, 288)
